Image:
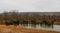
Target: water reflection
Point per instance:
(36, 26)
(43, 27)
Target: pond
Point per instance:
(43, 27)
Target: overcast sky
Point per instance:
(30, 5)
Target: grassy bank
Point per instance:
(20, 29)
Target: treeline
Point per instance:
(27, 16)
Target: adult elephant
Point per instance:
(15, 22)
(25, 22)
(43, 22)
(47, 23)
(9, 23)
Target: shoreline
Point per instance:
(21, 29)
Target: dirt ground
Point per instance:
(20, 29)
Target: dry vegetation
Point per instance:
(20, 29)
(25, 16)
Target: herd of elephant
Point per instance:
(8, 22)
(17, 22)
(47, 23)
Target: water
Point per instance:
(43, 27)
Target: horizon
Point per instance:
(32, 13)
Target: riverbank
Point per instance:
(20, 29)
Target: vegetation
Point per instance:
(10, 18)
(28, 16)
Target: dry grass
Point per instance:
(20, 29)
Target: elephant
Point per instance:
(25, 22)
(15, 22)
(47, 23)
(9, 23)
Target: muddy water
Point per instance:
(43, 27)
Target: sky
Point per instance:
(30, 5)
